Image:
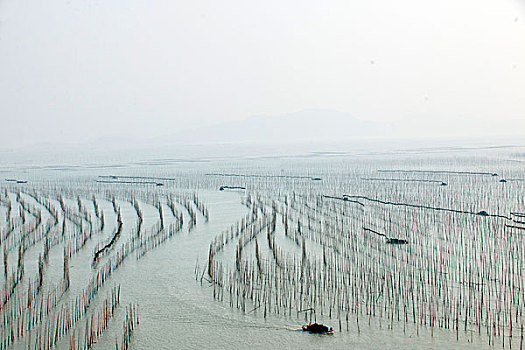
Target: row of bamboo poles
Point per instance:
(470, 280)
(39, 312)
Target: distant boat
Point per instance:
(317, 328)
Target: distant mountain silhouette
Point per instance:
(315, 125)
(310, 128)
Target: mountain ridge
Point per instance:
(315, 125)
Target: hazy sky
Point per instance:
(83, 69)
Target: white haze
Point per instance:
(76, 71)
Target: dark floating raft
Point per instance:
(396, 241)
(317, 328)
(222, 188)
(16, 181)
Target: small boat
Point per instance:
(318, 328)
(396, 241)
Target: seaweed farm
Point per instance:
(390, 250)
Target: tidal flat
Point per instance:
(421, 248)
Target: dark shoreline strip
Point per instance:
(116, 177)
(129, 182)
(265, 176)
(400, 180)
(436, 172)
